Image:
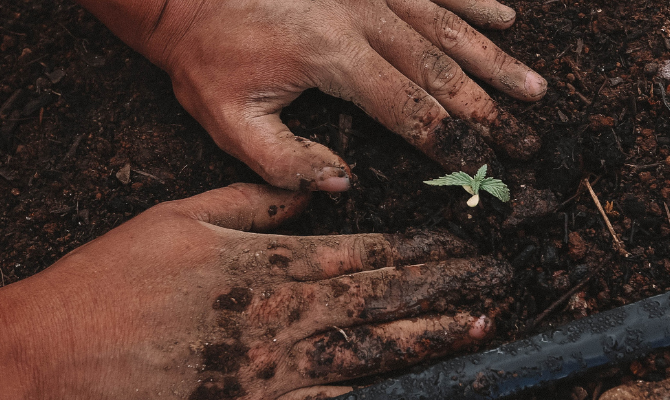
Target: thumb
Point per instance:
(284, 160)
(243, 206)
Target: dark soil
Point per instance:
(77, 105)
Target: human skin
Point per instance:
(180, 303)
(235, 64)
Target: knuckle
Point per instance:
(374, 252)
(309, 261)
(499, 62)
(167, 209)
(355, 255)
(286, 304)
(418, 111)
(445, 78)
(449, 29)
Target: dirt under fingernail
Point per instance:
(416, 246)
(518, 141)
(457, 146)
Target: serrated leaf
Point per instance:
(496, 187)
(479, 177)
(454, 179)
(481, 173)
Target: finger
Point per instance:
(242, 206)
(471, 50)
(364, 350)
(316, 393)
(298, 310)
(483, 13)
(393, 293)
(378, 88)
(322, 257)
(282, 159)
(430, 68)
(406, 109)
(444, 80)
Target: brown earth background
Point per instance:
(77, 105)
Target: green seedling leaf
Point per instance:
(473, 184)
(454, 179)
(479, 176)
(496, 187)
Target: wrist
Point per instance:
(151, 27)
(42, 342)
(18, 342)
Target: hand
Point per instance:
(179, 303)
(236, 64)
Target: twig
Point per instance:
(574, 68)
(148, 175)
(563, 298)
(12, 32)
(667, 212)
(9, 103)
(574, 91)
(73, 147)
(665, 99)
(577, 194)
(3, 277)
(347, 338)
(645, 166)
(619, 245)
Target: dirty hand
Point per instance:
(236, 64)
(180, 303)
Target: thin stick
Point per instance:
(347, 338)
(667, 212)
(619, 245)
(563, 298)
(148, 175)
(665, 99)
(647, 166)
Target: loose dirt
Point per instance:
(77, 106)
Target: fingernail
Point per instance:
(331, 179)
(506, 14)
(535, 84)
(480, 328)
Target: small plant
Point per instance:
(472, 185)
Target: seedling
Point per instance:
(472, 185)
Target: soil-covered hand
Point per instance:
(180, 303)
(236, 64)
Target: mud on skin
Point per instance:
(228, 388)
(392, 294)
(366, 349)
(417, 246)
(424, 288)
(461, 145)
(458, 147)
(236, 300)
(518, 141)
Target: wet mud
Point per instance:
(236, 300)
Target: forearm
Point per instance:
(41, 336)
(151, 27)
(18, 330)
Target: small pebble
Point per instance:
(651, 69)
(616, 81)
(124, 174)
(664, 70)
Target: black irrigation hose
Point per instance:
(604, 339)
